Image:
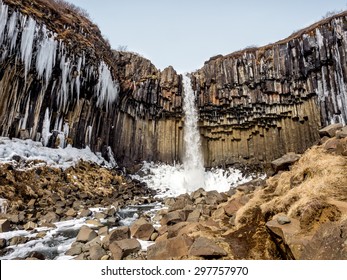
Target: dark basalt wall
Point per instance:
(257, 104)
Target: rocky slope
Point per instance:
(60, 79)
(300, 213)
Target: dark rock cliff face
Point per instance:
(257, 104)
(61, 84)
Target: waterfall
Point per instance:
(193, 159)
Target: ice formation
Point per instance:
(42, 54)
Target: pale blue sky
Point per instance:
(185, 33)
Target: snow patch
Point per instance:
(34, 151)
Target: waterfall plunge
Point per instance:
(173, 180)
(193, 160)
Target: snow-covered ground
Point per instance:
(29, 150)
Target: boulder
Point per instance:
(173, 218)
(85, 234)
(214, 197)
(142, 229)
(122, 248)
(30, 226)
(174, 229)
(85, 213)
(71, 213)
(169, 249)
(18, 240)
(234, 205)
(116, 235)
(342, 133)
(328, 243)
(76, 249)
(204, 247)
(50, 218)
(286, 236)
(3, 243)
(194, 216)
(103, 231)
(330, 130)
(337, 146)
(96, 252)
(218, 214)
(94, 224)
(283, 163)
(4, 225)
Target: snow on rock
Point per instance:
(61, 158)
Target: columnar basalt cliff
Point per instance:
(260, 103)
(55, 76)
(61, 84)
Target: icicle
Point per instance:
(12, 31)
(61, 138)
(66, 129)
(27, 43)
(110, 154)
(3, 20)
(46, 56)
(106, 89)
(88, 139)
(45, 128)
(64, 91)
(78, 81)
(25, 119)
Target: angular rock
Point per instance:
(194, 216)
(154, 236)
(85, 234)
(142, 229)
(96, 252)
(3, 243)
(122, 248)
(85, 213)
(94, 223)
(233, 206)
(100, 216)
(330, 130)
(173, 217)
(50, 218)
(18, 240)
(116, 235)
(284, 162)
(205, 247)
(103, 231)
(172, 248)
(337, 146)
(219, 214)
(174, 229)
(5, 225)
(328, 243)
(76, 249)
(71, 213)
(30, 226)
(342, 133)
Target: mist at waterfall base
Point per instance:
(173, 180)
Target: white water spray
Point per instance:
(193, 159)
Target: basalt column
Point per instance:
(258, 104)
